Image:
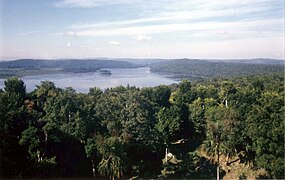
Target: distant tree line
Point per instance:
(227, 127)
(25, 67)
(201, 69)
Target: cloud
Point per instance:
(31, 33)
(173, 16)
(184, 16)
(70, 33)
(78, 3)
(208, 26)
(194, 22)
(142, 38)
(91, 3)
(114, 43)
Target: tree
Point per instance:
(13, 120)
(15, 85)
(91, 152)
(113, 157)
(161, 95)
(197, 118)
(220, 130)
(46, 89)
(265, 127)
(205, 91)
(123, 132)
(95, 92)
(227, 89)
(30, 137)
(183, 95)
(169, 124)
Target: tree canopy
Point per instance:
(185, 130)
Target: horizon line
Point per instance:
(132, 58)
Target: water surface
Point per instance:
(81, 82)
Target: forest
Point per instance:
(26, 67)
(193, 69)
(217, 127)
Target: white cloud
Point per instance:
(142, 37)
(78, 3)
(184, 16)
(92, 3)
(114, 43)
(70, 33)
(165, 4)
(133, 30)
(202, 26)
(31, 33)
(163, 17)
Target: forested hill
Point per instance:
(177, 68)
(22, 67)
(254, 61)
(68, 63)
(196, 68)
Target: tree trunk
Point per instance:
(218, 165)
(166, 152)
(46, 137)
(218, 172)
(227, 159)
(93, 168)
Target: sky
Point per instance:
(205, 29)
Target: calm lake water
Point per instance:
(81, 82)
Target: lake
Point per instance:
(81, 82)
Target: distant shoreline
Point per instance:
(177, 68)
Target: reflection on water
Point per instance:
(81, 82)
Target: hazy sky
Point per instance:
(142, 28)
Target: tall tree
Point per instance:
(14, 118)
(265, 127)
(220, 130)
(113, 157)
(15, 85)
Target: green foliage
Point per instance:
(91, 147)
(24, 67)
(30, 138)
(169, 124)
(266, 129)
(221, 132)
(15, 85)
(183, 95)
(113, 155)
(194, 69)
(46, 89)
(197, 117)
(122, 132)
